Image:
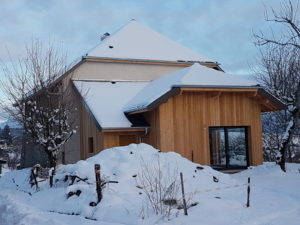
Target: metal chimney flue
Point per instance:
(104, 36)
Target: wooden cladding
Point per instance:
(88, 130)
(265, 104)
(92, 141)
(182, 124)
(127, 140)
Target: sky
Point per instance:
(219, 29)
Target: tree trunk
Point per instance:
(288, 136)
(52, 158)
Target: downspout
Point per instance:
(146, 132)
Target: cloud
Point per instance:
(220, 30)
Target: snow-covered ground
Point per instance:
(220, 198)
(4, 170)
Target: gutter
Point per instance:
(157, 61)
(218, 86)
(143, 135)
(122, 128)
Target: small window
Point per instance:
(63, 158)
(91, 145)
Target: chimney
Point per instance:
(104, 36)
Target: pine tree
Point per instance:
(6, 135)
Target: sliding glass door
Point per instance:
(228, 147)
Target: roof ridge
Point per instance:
(138, 41)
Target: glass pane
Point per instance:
(237, 147)
(217, 147)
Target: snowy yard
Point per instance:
(4, 170)
(220, 198)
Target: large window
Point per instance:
(228, 147)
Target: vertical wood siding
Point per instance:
(102, 140)
(111, 139)
(182, 124)
(88, 129)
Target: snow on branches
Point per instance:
(48, 127)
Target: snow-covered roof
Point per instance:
(194, 76)
(137, 41)
(106, 99)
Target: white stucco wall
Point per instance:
(122, 71)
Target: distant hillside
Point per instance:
(15, 129)
(10, 123)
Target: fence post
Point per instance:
(51, 177)
(183, 197)
(248, 193)
(34, 172)
(98, 182)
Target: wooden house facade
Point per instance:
(208, 121)
(145, 88)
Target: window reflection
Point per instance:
(228, 147)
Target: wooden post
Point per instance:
(51, 178)
(183, 197)
(248, 193)
(98, 182)
(34, 172)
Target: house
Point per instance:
(145, 87)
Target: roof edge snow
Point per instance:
(213, 63)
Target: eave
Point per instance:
(266, 101)
(214, 65)
(119, 129)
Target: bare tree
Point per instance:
(287, 16)
(13, 158)
(273, 124)
(278, 68)
(160, 184)
(38, 98)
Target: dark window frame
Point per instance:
(91, 145)
(228, 166)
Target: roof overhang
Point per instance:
(153, 62)
(162, 99)
(267, 101)
(271, 98)
(117, 129)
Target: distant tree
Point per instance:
(13, 159)
(278, 68)
(0, 133)
(6, 135)
(38, 99)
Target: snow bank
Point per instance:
(122, 164)
(274, 195)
